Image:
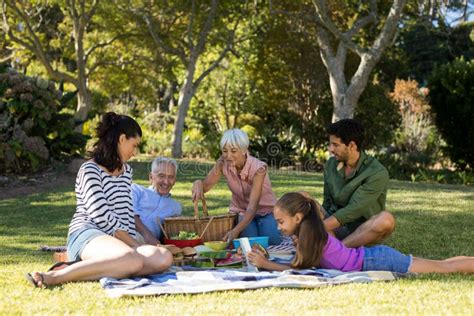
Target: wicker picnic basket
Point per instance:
(208, 227)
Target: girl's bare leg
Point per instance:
(450, 265)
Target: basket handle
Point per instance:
(207, 226)
(204, 208)
(162, 228)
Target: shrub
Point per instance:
(417, 138)
(452, 100)
(378, 115)
(32, 129)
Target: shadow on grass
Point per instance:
(423, 186)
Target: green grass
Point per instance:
(434, 221)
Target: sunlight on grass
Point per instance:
(435, 221)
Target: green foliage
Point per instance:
(452, 100)
(204, 117)
(273, 83)
(414, 168)
(33, 129)
(157, 133)
(426, 45)
(378, 115)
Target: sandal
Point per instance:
(31, 279)
(61, 265)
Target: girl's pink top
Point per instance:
(241, 185)
(337, 256)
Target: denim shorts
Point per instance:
(384, 258)
(77, 241)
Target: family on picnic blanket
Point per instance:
(114, 231)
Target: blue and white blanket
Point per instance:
(190, 282)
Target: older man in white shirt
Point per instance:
(155, 202)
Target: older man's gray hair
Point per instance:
(161, 160)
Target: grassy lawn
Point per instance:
(435, 221)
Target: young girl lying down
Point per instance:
(299, 215)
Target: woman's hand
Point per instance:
(198, 191)
(126, 238)
(231, 235)
(257, 258)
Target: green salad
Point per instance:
(184, 235)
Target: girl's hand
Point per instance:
(294, 238)
(197, 190)
(257, 258)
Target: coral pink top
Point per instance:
(241, 185)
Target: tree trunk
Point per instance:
(167, 102)
(346, 95)
(185, 95)
(84, 104)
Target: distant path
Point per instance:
(36, 183)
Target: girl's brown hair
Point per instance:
(312, 235)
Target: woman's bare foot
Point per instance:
(36, 279)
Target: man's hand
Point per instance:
(151, 240)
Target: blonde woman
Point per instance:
(247, 178)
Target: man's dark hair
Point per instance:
(348, 130)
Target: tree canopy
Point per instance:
(280, 70)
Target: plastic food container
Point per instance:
(216, 245)
(262, 241)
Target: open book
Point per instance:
(245, 245)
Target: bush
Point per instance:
(417, 140)
(378, 115)
(32, 129)
(452, 100)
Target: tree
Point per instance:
(26, 25)
(330, 34)
(451, 96)
(186, 33)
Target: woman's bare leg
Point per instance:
(450, 265)
(107, 256)
(155, 259)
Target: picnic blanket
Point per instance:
(191, 282)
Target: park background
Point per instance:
(281, 71)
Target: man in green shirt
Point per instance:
(355, 189)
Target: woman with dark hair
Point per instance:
(101, 239)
